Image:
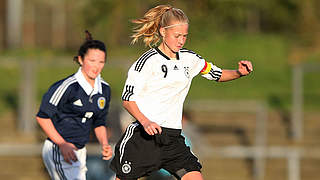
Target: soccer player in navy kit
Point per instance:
(70, 109)
(154, 92)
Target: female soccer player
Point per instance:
(154, 92)
(70, 109)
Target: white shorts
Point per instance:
(58, 168)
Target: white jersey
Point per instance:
(159, 85)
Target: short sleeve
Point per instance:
(56, 95)
(46, 109)
(211, 72)
(50, 102)
(135, 81)
(197, 66)
(138, 74)
(196, 61)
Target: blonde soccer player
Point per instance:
(154, 93)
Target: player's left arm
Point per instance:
(244, 69)
(101, 134)
(100, 129)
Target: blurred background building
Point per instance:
(265, 126)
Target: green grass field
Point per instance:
(270, 81)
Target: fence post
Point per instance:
(26, 111)
(59, 38)
(260, 142)
(294, 165)
(297, 99)
(14, 23)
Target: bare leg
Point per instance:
(193, 175)
(117, 178)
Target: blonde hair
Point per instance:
(148, 26)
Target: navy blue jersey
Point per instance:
(75, 107)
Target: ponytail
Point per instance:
(148, 26)
(89, 43)
(88, 36)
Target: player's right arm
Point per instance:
(48, 109)
(67, 149)
(150, 127)
(138, 75)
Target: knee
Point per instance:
(193, 175)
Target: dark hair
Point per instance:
(89, 44)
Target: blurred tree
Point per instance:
(110, 20)
(245, 15)
(2, 23)
(278, 15)
(309, 20)
(29, 25)
(308, 31)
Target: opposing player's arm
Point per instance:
(101, 134)
(50, 130)
(150, 127)
(100, 118)
(65, 147)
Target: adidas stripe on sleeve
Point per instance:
(207, 70)
(137, 76)
(52, 98)
(211, 72)
(57, 95)
(142, 60)
(128, 92)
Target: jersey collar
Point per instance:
(165, 56)
(86, 86)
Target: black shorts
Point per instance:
(137, 154)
